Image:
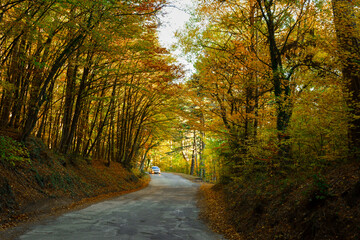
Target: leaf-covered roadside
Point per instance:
(213, 210)
(321, 206)
(47, 183)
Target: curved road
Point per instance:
(165, 210)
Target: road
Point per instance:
(165, 210)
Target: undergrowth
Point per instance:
(302, 204)
(12, 152)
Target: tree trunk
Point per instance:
(348, 38)
(280, 82)
(193, 155)
(39, 95)
(69, 103)
(78, 109)
(93, 123)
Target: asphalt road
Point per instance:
(165, 210)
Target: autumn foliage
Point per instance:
(271, 85)
(88, 77)
(270, 111)
(272, 108)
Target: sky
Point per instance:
(174, 18)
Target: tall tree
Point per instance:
(347, 33)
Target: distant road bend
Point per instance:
(165, 210)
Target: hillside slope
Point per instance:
(320, 206)
(35, 181)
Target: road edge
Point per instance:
(13, 232)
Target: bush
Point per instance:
(12, 152)
(321, 187)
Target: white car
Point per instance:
(155, 170)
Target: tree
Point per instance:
(89, 77)
(348, 38)
(259, 63)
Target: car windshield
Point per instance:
(155, 167)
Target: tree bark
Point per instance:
(69, 103)
(193, 155)
(40, 96)
(280, 82)
(348, 38)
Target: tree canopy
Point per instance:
(276, 85)
(88, 77)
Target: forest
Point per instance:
(87, 77)
(271, 113)
(276, 86)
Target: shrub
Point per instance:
(12, 152)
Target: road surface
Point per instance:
(165, 210)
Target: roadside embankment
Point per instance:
(35, 182)
(320, 206)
